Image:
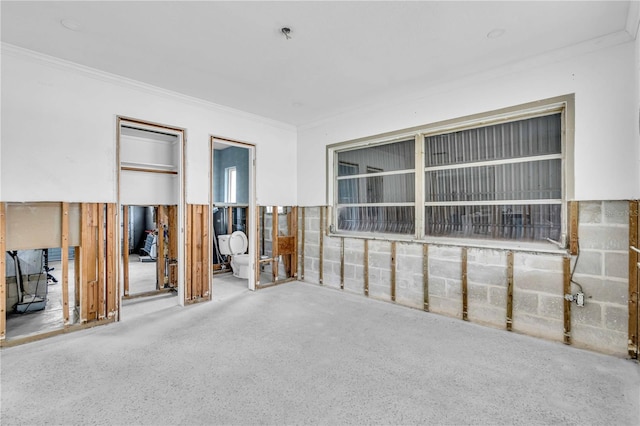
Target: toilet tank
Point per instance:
(223, 244)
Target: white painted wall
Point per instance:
(606, 136)
(59, 133)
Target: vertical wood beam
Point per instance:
(293, 230)
(64, 247)
(173, 245)
(425, 276)
(206, 259)
(304, 225)
(3, 273)
(509, 290)
(77, 269)
(101, 284)
(341, 263)
(125, 249)
(393, 271)
(259, 227)
(366, 267)
(274, 243)
(634, 286)
(465, 306)
(189, 261)
(566, 269)
(321, 253)
(573, 227)
(196, 251)
(160, 257)
(112, 291)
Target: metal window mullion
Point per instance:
(496, 162)
(407, 204)
(419, 187)
(368, 175)
(492, 202)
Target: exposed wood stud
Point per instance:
(464, 285)
(321, 253)
(342, 263)
(274, 243)
(425, 276)
(3, 280)
(302, 231)
(259, 226)
(196, 251)
(172, 212)
(634, 285)
(188, 249)
(206, 259)
(293, 231)
(566, 269)
(393, 271)
(64, 247)
(573, 227)
(125, 249)
(77, 267)
(111, 291)
(160, 266)
(509, 290)
(366, 267)
(101, 299)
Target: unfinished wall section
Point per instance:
(602, 270)
(508, 289)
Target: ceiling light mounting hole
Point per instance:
(286, 31)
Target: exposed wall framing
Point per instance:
(283, 246)
(393, 271)
(573, 227)
(88, 227)
(425, 277)
(465, 292)
(198, 271)
(566, 270)
(509, 320)
(634, 284)
(302, 239)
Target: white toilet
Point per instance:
(236, 245)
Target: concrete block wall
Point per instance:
(538, 296)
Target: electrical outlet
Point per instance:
(579, 299)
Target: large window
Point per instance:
(499, 178)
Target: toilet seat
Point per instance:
(238, 243)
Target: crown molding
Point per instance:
(7, 49)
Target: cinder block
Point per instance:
(311, 238)
(311, 213)
(533, 261)
(498, 296)
(444, 306)
(604, 290)
(616, 318)
(525, 302)
(616, 265)
(311, 251)
(487, 274)
(409, 263)
(354, 285)
(537, 326)
(353, 257)
(410, 249)
(380, 260)
(349, 271)
(551, 306)
(331, 254)
(445, 268)
(616, 212)
(354, 244)
(601, 237)
(313, 224)
(590, 314)
(376, 246)
(437, 287)
(540, 281)
(445, 252)
(487, 315)
(454, 289)
(487, 257)
(589, 263)
(599, 339)
(478, 293)
(590, 212)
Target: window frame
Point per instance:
(565, 105)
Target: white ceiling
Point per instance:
(341, 54)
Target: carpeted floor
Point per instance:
(303, 354)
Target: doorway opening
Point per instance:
(233, 238)
(151, 200)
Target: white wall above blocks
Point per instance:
(606, 117)
(59, 133)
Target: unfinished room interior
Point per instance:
(363, 212)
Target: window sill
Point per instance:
(521, 246)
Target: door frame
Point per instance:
(251, 215)
(181, 133)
